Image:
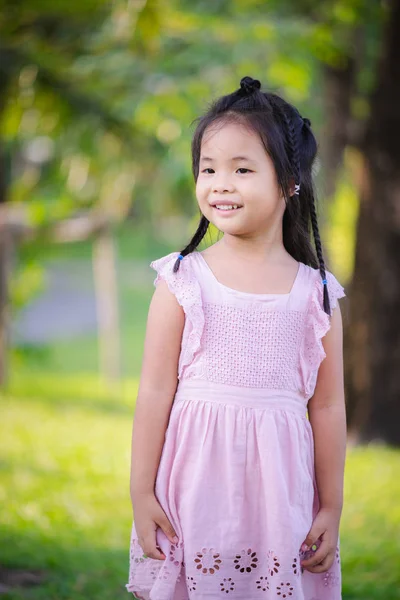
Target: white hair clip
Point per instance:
(297, 188)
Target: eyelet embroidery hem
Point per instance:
(272, 574)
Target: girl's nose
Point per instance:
(222, 185)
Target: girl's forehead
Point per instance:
(234, 136)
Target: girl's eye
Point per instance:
(240, 169)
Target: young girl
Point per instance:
(239, 437)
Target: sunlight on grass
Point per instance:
(65, 454)
(65, 458)
(370, 527)
(75, 388)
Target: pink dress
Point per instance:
(236, 476)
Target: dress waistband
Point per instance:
(259, 398)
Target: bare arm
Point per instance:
(328, 421)
(328, 418)
(158, 382)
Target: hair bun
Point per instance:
(249, 85)
(307, 122)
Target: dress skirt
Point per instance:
(236, 480)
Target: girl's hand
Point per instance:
(148, 515)
(325, 529)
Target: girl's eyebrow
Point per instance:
(235, 158)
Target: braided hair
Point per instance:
(291, 145)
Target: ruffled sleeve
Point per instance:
(185, 286)
(317, 324)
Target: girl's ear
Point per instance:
(291, 186)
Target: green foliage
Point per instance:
(101, 96)
(28, 281)
(144, 70)
(135, 72)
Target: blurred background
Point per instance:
(97, 101)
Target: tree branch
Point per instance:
(12, 59)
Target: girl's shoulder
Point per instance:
(317, 322)
(185, 282)
(164, 267)
(315, 286)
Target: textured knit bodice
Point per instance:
(250, 340)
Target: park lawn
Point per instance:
(79, 356)
(64, 489)
(65, 452)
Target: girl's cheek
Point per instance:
(198, 191)
(201, 189)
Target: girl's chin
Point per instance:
(229, 227)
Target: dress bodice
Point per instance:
(245, 339)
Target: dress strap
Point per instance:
(184, 285)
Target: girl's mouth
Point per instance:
(227, 208)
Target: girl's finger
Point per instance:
(150, 548)
(167, 528)
(318, 557)
(324, 565)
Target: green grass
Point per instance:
(64, 479)
(64, 482)
(370, 526)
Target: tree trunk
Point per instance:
(375, 300)
(104, 266)
(338, 87)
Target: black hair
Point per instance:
(292, 147)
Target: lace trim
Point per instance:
(207, 567)
(318, 323)
(184, 285)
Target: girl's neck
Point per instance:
(251, 250)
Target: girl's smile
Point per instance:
(226, 209)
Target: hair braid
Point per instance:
(312, 210)
(194, 242)
(296, 216)
(295, 154)
(318, 247)
(294, 157)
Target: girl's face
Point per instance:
(235, 169)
